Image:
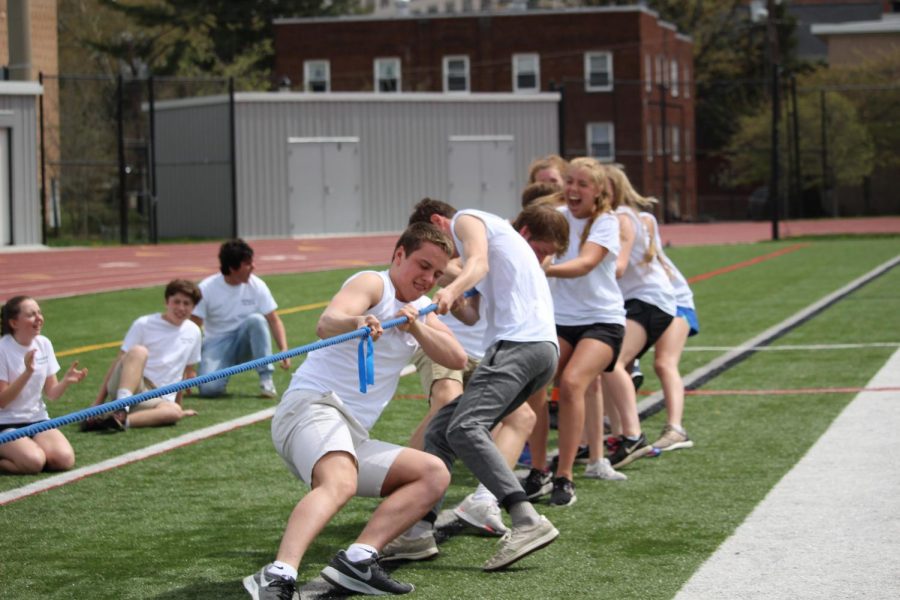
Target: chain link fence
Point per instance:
(99, 163)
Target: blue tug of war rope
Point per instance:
(366, 377)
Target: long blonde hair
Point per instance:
(624, 194)
(602, 203)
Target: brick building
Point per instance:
(626, 77)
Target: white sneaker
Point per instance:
(404, 547)
(603, 470)
(481, 514)
(267, 388)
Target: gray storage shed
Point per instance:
(341, 163)
(20, 195)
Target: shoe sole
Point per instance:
(421, 555)
(473, 522)
(336, 578)
(677, 446)
(571, 501)
(619, 477)
(251, 586)
(630, 458)
(541, 542)
(546, 489)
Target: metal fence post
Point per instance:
(123, 196)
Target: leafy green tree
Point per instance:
(194, 38)
(850, 147)
(730, 60)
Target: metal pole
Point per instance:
(232, 140)
(43, 165)
(123, 196)
(826, 186)
(561, 120)
(774, 175)
(795, 126)
(151, 98)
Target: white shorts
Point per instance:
(309, 424)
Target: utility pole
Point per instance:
(775, 76)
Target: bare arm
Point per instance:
(467, 310)
(9, 391)
(436, 340)
(189, 373)
(276, 326)
(588, 258)
(54, 389)
(473, 235)
(626, 235)
(347, 310)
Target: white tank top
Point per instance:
(515, 297)
(594, 297)
(684, 297)
(335, 368)
(471, 337)
(645, 281)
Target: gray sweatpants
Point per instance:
(509, 373)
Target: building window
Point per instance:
(449, 6)
(526, 73)
(659, 69)
(687, 145)
(659, 140)
(316, 76)
(387, 74)
(598, 71)
(467, 5)
(648, 72)
(673, 77)
(687, 81)
(649, 142)
(676, 143)
(601, 141)
(456, 73)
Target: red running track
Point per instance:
(59, 272)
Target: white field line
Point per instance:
(653, 401)
(795, 347)
(201, 434)
(130, 457)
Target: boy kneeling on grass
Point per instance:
(159, 349)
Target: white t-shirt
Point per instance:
(170, 348)
(224, 307)
(645, 281)
(594, 297)
(684, 297)
(471, 337)
(335, 368)
(515, 296)
(28, 406)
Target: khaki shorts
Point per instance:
(309, 424)
(112, 389)
(430, 371)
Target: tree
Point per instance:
(850, 147)
(207, 38)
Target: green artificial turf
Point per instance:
(192, 522)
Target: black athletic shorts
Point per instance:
(651, 318)
(610, 334)
(4, 427)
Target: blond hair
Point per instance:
(598, 176)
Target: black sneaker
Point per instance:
(637, 378)
(266, 586)
(582, 457)
(563, 492)
(538, 483)
(629, 451)
(364, 577)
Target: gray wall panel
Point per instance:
(403, 146)
(18, 113)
